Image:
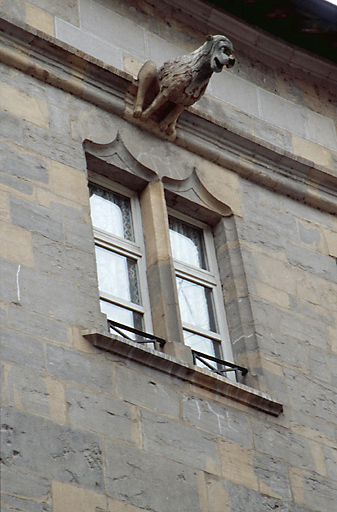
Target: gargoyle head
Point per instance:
(221, 52)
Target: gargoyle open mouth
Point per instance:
(218, 63)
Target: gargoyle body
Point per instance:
(179, 83)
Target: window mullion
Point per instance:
(202, 332)
(195, 275)
(122, 302)
(118, 245)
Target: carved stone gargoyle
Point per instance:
(164, 93)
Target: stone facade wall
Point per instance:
(87, 430)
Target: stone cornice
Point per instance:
(181, 370)
(64, 67)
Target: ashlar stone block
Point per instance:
(146, 391)
(88, 370)
(158, 484)
(58, 452)
(18, 482)
(100, 414)
(216, 418)
(71, 498)
(22, 105)
(237, 464)
(174, 440)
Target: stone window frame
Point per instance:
(209, 278)
(185, 193)
(134, 250)
(213, 279)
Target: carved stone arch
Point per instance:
(190, 196)
(114, 161)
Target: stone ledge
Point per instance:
(181, 370)
(73, 71)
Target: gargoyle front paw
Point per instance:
(167, 128)
(137, 112)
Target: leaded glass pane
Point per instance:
(187, 243)
(111, 212)
(117, 275)
(196, 304)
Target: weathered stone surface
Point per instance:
(36, 218)
(304, 329)
(55, 146)
(319, 493)
(21, 104)
(239, 93)
(64, 261)
(217, 419)
(16, 183)
(158, 483)
(241, 496)
(273, 476)
(146, 391)
(78, 235)
(68, 12)
(311, 261)
(10, 127)
(18, 482)
(19, 163)
(100, 414)
(14, 349)
(89, 370)
(273, 442)
(89, 43)
(27, 390)
(113, 28)
(16, 244)
(58, 452)
(179, 442)
(37, 325)
(323, 401)
(20, 504)
(35, 294)
(71, 498)
(9, 272)
(285, 114)
(237, 464)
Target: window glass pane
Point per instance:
(196, 304)
(111, 212)
(187, 243)
(199, 343)
(117, 275)
(204, 345)
(123, 316)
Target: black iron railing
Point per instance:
(212, 363)
(217, 365)
(140, 336)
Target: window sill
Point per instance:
(193, 374)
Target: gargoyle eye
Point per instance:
(226, 50)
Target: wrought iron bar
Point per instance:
(141, 336)
(222, 367)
